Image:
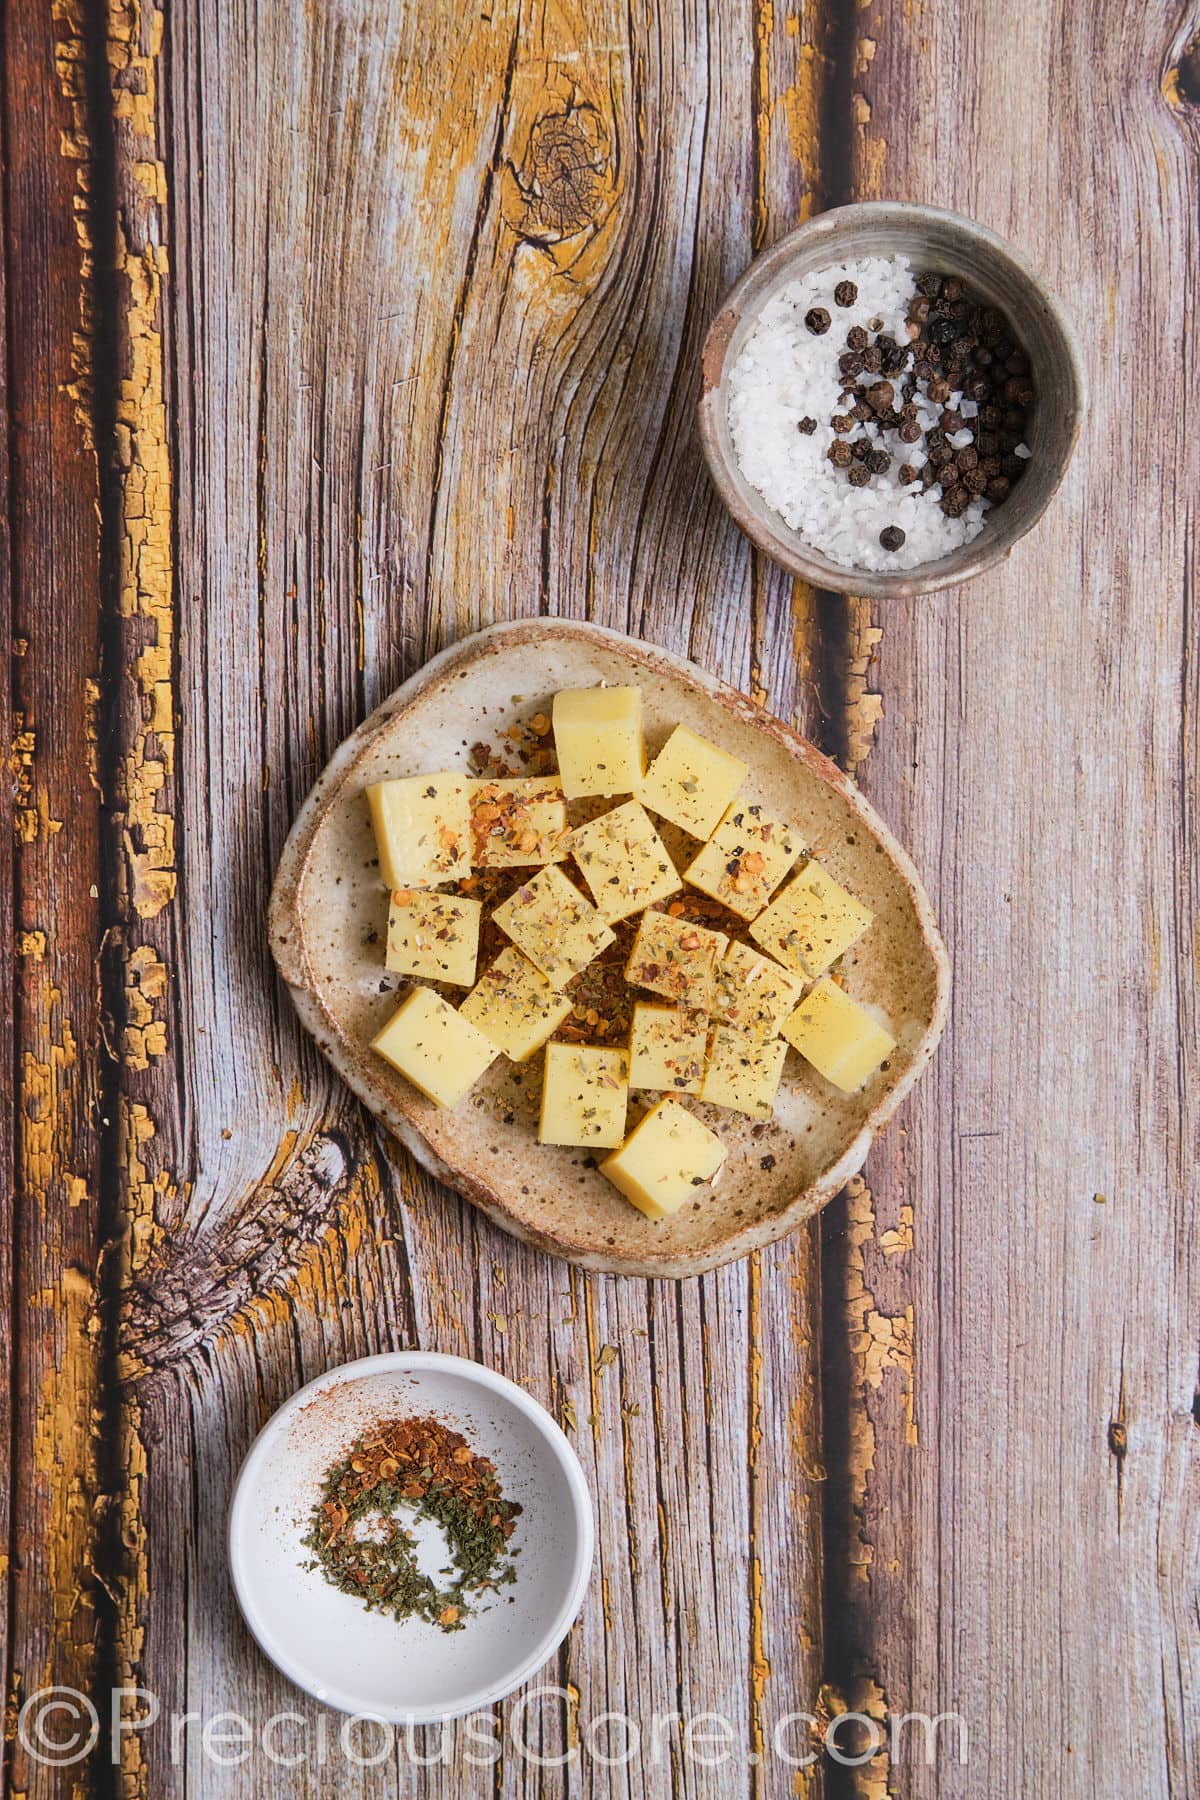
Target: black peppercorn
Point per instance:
(906, 474)
(891, 537)
(910, 432)
(929, 284)
(845, 293)
(879, 462)
(858, 474)
(941, 331)
(860, 448)
(880, 396)
(872, 359)
(967, 457)
(955, 502)
(839, 452)
(975, 481)
(817, 320)
(939, 390)
(856, 338)
(951, 420)
(850, 362)
(842, 422)
(941, 454)
(807, 426)
(998, 488)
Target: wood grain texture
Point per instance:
(334, 334)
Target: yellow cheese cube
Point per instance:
(624, 861)
(584, 1094)
(811, 923)
(439, 1051)
(675, 958)
(517, 823)
(513, 1004)
(667, 1048)
(433, 936)
(745, 859)
(422, 829)
(743, 1072)
(691, 782)
(664, 1160)
(598, 738)
(752, 992)
(840, 1038)
(549, 919)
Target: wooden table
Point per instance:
(334, 333)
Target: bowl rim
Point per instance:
(557, 1443)
(757, 521)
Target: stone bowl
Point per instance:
(949, 244)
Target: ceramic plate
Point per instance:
(328, 924)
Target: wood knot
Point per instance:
(1118, 1438)
(1182, 83)
(562, 185)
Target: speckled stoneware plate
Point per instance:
(328, 923)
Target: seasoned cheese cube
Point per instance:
(584, 1094)
(745, 859)
(840, 1038)
(422, 829)
(438, 1050)
(752, 992)
(624, 861)
(598, 738)
(673, 957)
(691, 782)
(513, 1004)
(743, 1072)
(664, 1160)
(549, 919)
(517, 823)
(433, 936)
(811, 923)
(666, 1049)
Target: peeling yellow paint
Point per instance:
(32, 817)
(862, 707)
(878, 1342)
(900, 1238)
(144, 1038)
(32, 944)
(70, 65)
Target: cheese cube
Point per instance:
(517, 823)
(811, 923)
(691, 782)
(439, 1051)
(752, 992)
(745, 859)
(840, 1038)
(664, 1160)
(422, 829)
(549, 919)
(433, 936)
(666, 1049)
(743, 1072)
(624, 861)
(584, 1094)
(598, 738)
(673, 957)
(515, 1006)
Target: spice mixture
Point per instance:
(361, 1543)
(881, 412)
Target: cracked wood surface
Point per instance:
(332, 337)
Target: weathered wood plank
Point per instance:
(56, 1606)
(1017, 1489)
(517, 346)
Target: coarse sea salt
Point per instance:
(785, 373)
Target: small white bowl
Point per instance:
(406, 1671)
